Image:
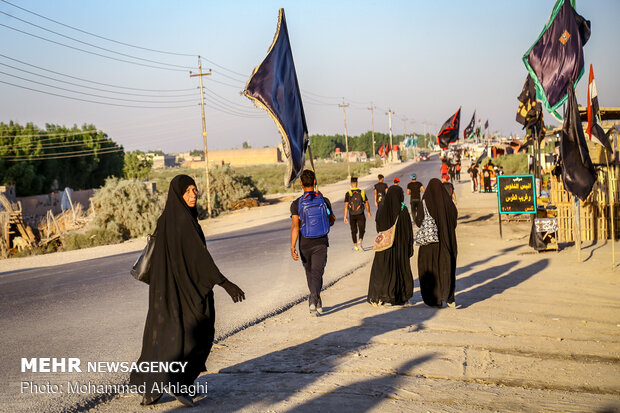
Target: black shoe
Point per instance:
(150, 399)
(185, 399)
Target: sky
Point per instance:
(421, 59)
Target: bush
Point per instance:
(227, 187)
(512, 164)
(126, 207)
(92, 238)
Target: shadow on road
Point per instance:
(278, 376)
(344, 306)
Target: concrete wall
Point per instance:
(240, 157)
(40, 204)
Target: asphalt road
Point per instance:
(94, 310)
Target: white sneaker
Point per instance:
(313, 310)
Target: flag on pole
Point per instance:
(449, 130)
(486, 125)
(595, 130)
(556, 58)
(273, 86)
(382, 150)
(529, 112)
(578, 172)
(468, 133)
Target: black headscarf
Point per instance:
(390, 209)
(441, 207)
(181, 317)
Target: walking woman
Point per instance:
(437, 261)
(181, 316)
(391, 280)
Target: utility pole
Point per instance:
(346, 137)
(204, 131)
(390, 113)
(372, 121)
(405, 135)
(413, 139)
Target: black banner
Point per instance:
(516, 194)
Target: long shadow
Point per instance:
(347, 396)
(480, 218)
(286, 372)
(343, 306)
(499, 284)
(484, 275)
(590, 247)
(471, 266)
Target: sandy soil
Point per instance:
(531, 332)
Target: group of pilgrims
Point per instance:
(180, 323)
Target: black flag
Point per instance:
(468, 133)
(274, 87)
(555, 60)
(578, 172)
(449, 130)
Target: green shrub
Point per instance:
(92, 238)
(512, 164)
(227, 186)
(126, 207)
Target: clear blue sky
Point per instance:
(422, 59)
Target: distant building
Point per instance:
(162, 161)
(239, 157)
(354, 156)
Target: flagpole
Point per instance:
(390, 113)
(346, 137)
(372, 122)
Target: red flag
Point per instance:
(382, 150)
(594, 130)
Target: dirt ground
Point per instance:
(531, 332)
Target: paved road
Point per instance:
(95, 311)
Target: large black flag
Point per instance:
(578, 172)
(274, 87)
(449, 130)
(529, 112)
(468, 133)
(556, 58)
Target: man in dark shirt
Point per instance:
(449, 187)
(355, 201)
(473, 173)
(380, 190)
(415, 190)
(313, 251)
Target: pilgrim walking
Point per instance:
(437, 261)
(391, 280)
(180, 324)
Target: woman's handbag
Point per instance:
(141, 268)
(385, 239)
(428, 232)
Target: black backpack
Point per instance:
(356, 202)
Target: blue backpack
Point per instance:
(314, 215)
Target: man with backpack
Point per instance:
(415, 190)
(311, 217)
(354, 202)
(380, 190)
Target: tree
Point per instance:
(246, 145)
(41, 160)
(137, 165)
(196, 152)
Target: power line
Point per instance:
(95, 95)
(57, 155)
(92, 81)
(95, 101)
(90, 52)
(90, 87)
(50, 134)
(93, 45)
(95, 35)
(53, 145)
(101, 152)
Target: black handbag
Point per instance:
(141, 268)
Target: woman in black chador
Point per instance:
(437, 261)
(181, 317)
(391, 281)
